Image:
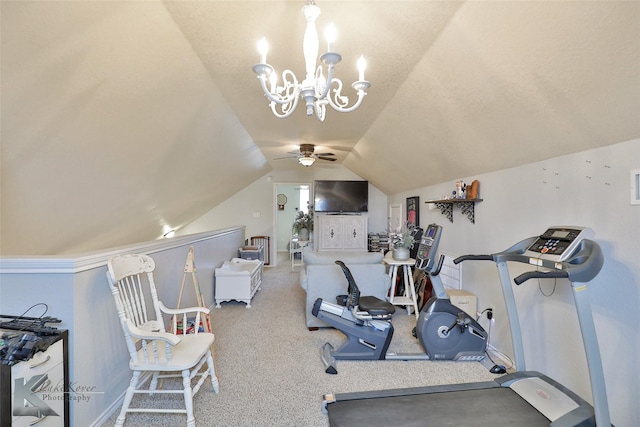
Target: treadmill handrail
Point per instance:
(540, 275)
(585, 263)
(514, 253)
(473, 258)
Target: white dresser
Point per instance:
(47, 373)
(342, 232)
(237, 279)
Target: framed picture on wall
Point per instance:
(413, 211)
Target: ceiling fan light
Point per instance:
(306, 161)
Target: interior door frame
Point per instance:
(395, 216)
(274, 249)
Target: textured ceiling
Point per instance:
(117, 112)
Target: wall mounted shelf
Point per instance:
(467, 207)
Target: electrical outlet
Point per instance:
(488, 313)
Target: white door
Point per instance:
(395, 217)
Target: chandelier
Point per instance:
(315, 89)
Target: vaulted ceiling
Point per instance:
(118, 116)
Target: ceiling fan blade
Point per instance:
(331, 159)
(326, 154)
(288, 157)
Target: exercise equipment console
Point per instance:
(522, 398)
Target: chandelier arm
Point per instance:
(286, 109)
(278, 97)
(339, 102)
(321, 110)
(328, 85)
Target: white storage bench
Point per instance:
(238, 279)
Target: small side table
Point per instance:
(295, 247)
(409, 298)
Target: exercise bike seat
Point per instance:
(373, 305)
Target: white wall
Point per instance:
(590, 189)
(254, 206)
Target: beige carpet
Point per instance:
(270, 369)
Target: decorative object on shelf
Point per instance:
(413, 210)
(474, 189)
(303, 224)
(401, 241)
(281, 199)
(461, 189)
(315, 88)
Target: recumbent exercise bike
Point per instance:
(445, 331)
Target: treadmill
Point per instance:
(523, 398)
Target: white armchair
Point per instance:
(150, 347)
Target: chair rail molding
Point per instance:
(83, 262)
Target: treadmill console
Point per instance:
(558, 243)
(428, 248)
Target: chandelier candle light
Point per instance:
(315, 88)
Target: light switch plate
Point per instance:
(635, 187)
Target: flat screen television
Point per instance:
(341, 196)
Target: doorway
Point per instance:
(296, 197)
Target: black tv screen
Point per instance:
(341, 196)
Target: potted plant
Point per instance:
(303, 224)
(402, 240)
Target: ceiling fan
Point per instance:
(306, 157)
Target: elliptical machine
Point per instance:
(445, 331)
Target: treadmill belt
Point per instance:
(495, 407)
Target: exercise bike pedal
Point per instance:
(328, 360)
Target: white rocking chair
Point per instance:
(152, 349)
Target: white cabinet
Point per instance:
(342, 232)
(44, 376)
(238, 279)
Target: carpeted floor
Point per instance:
(270, 369)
